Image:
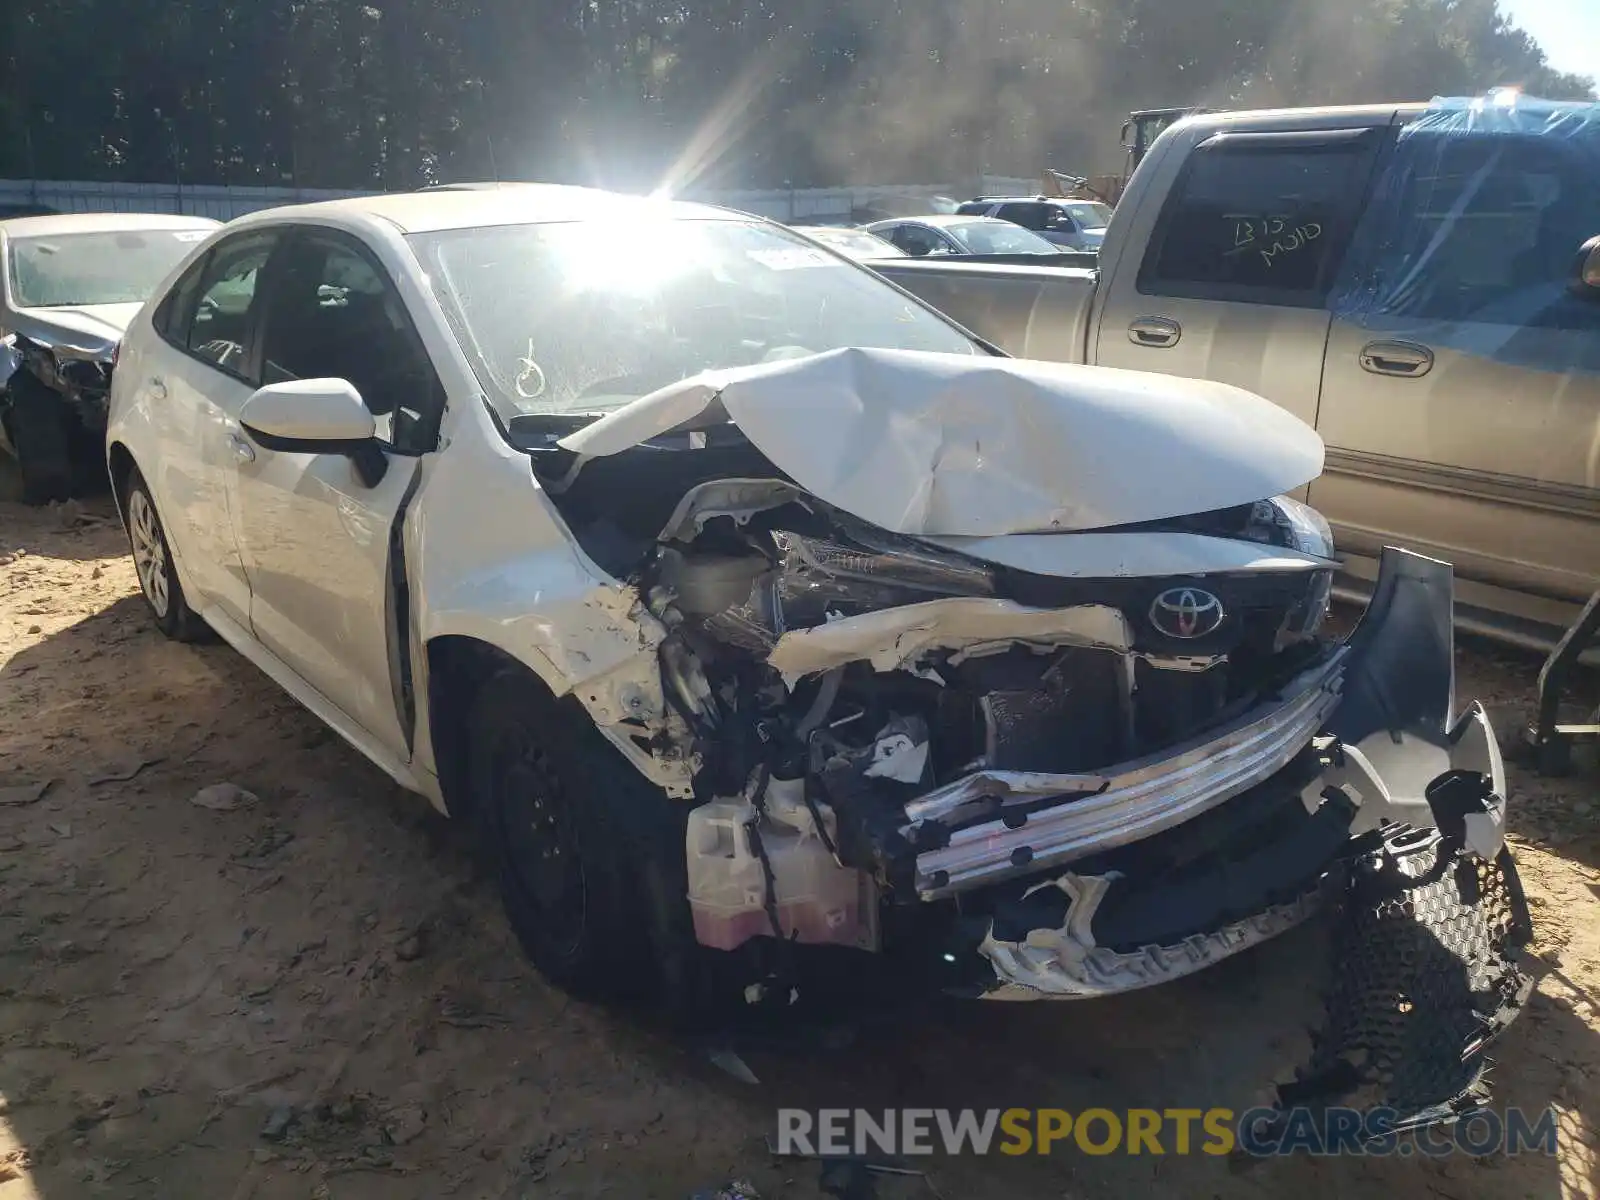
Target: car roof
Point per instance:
(945, 220)
(104, 222)
(475, 207)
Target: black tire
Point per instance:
(42, 440)
(152, 562)
(588, 855)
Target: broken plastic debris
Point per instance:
(734, 1189)
(222, 797)
(729, 1061)
(901, 752)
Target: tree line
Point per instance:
(634, 93)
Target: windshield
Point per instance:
(1090, 214)
(94, 268)
(855, 242)
(998, 237)
(569, 318)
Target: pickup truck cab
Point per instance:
(1409, 280)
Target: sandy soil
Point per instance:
(314, 995)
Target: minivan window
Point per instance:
(1257, 223)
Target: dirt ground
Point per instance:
(314, 995)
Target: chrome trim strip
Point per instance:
(1141, 799)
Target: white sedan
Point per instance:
(745, 604)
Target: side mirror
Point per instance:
(1586, 269)
(316, 416)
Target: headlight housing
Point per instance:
(1295, 526)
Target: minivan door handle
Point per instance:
(1406, 359)
(1158, 332)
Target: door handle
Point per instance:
(1405, 359)
(158, 388)
(242, 450)
(1156, 332)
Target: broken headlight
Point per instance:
(1285, 522)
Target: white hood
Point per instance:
(938, 444)
(89, 326)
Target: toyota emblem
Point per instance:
(1186, 612)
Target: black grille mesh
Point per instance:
(1424, 976)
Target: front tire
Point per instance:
(589, 856)
(43, 442)
(152, 562)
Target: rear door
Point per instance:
(1239, 261)
(193, 384)
(1461, 398)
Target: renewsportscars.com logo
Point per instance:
(1258, 1132)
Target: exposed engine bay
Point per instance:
(1036, 776)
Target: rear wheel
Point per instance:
(589, 856)
(42, 440)
(152, 561)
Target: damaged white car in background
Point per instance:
(748, 606)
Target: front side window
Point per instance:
(333, 314)
(919, 240)
(73, 269)
(219, 328)
(570, 318)
(1258, 221)
(998, 237)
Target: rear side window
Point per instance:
(973, 208)
(1478, 228)
(1261, 218)
(1029, 216)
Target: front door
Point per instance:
(1461, 397)
(1239, 263)
(319, 541)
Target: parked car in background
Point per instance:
(747, 605)
(1411, 280)
(1073, 224)
(957, 235)
(69, 285)
(857, 243)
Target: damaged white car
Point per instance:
(745, 605)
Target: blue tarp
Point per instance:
(1474, 228)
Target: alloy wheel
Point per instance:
(149, 551)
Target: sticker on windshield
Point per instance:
(795, 259)
(191, 235)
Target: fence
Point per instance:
(225, 203)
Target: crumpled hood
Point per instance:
(88, 326)
(938, 444)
